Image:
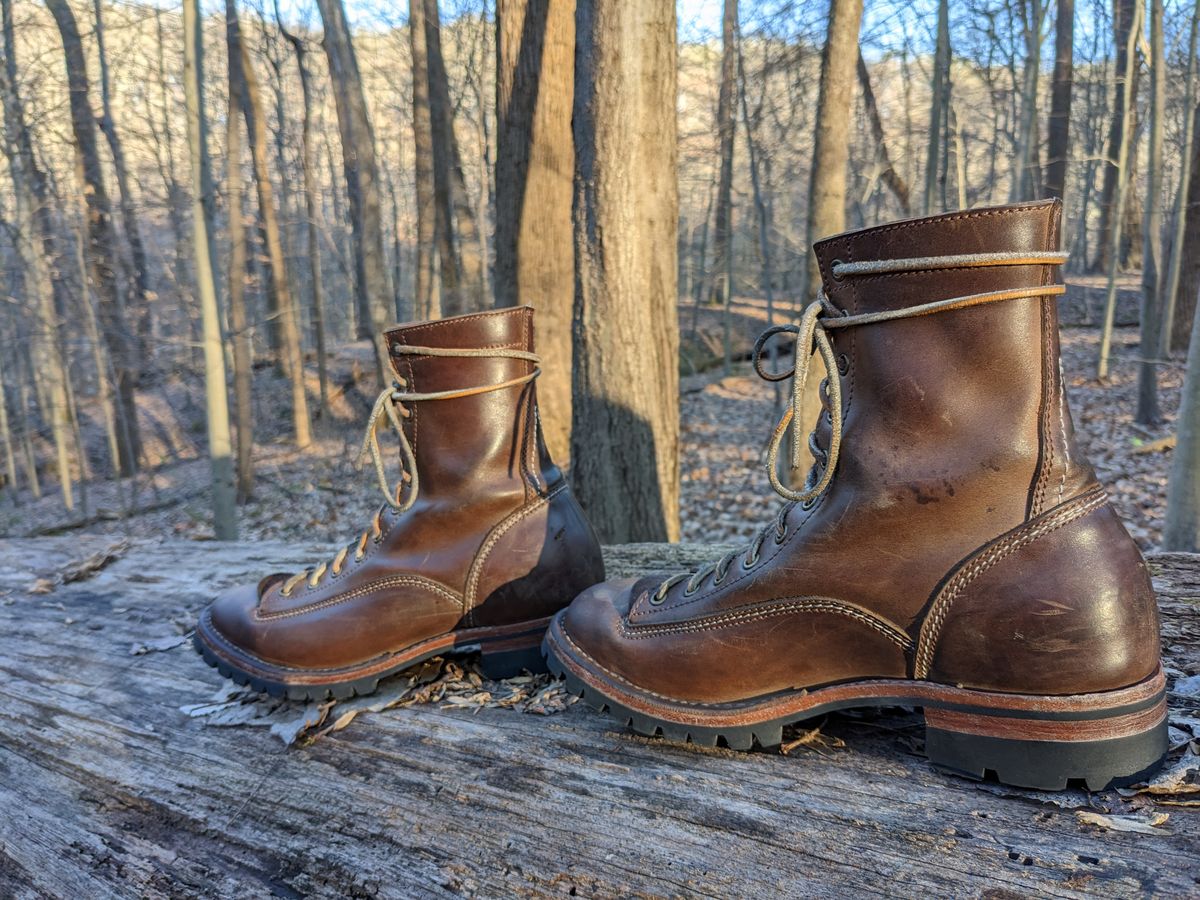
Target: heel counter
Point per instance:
(1061, 605)
(535, 563)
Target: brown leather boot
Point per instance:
(474, 551)
(951, 549)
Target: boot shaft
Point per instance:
(962, 412)
(488, 442)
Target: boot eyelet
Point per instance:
(749, 563)
(656, 600)
(833, 270)
(843, 364)
(808, 504)
(780, 536)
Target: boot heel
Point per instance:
(1045, 749)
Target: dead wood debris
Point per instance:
(1135, 824)
(440, 682)
(80, 570)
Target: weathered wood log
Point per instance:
(107, 789)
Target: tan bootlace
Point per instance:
(389, 407)
(812, 336)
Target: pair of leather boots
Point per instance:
(951, 549)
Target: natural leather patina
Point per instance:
(962, 540)
(476, 551)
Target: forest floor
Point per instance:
(319, 495)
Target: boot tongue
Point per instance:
(1028, 227)
(510, 328)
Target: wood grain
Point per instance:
(106, 789)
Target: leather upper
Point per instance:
(956, 431)
(494, 536)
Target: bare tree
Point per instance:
(1186, 206)
(6, 440)
(140, 274)
(1025, 165)
(939, 101)
(459, 244)
(1121, 126)
(831, 153)
(428, 211)
(887, 170)
(33, 242)
(1148, 412)
(362, 178)
(726, 131)
(1124, 164)
(308, 165)
(217, 404)
(625, 431)
(1058, 151)
(244, 83)
(1182, 528)
(535, 159)
(101, 251)
(239, 324)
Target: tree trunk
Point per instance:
(458, 242)
(216, 402)
(244, 84)
(29, 457)
(887, 170)
(1058, 150)
(827, 180)
(1148, 412)
(426, 189)
(1182, 528)
(10, 456)
(760, 205)
(140, 307)
(101, 252)
(239, 325)
(1182, 217)
(38, 285)
(362, 178)
(308, 164)
(535, 160)
(1025, 180)
(625, 419)
(1120, 126)
(1124, 167)
(937, 100)
(726, 131)
(448, 167)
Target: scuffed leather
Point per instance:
(1071, 612)
(452, 560)
(956, 431)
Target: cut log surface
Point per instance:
(107, 789)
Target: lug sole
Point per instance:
(1101, 741)
(501, 653)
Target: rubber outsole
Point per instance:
(493, 665)
(1028, 763)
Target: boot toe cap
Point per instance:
(593, 623)
(230, 619)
